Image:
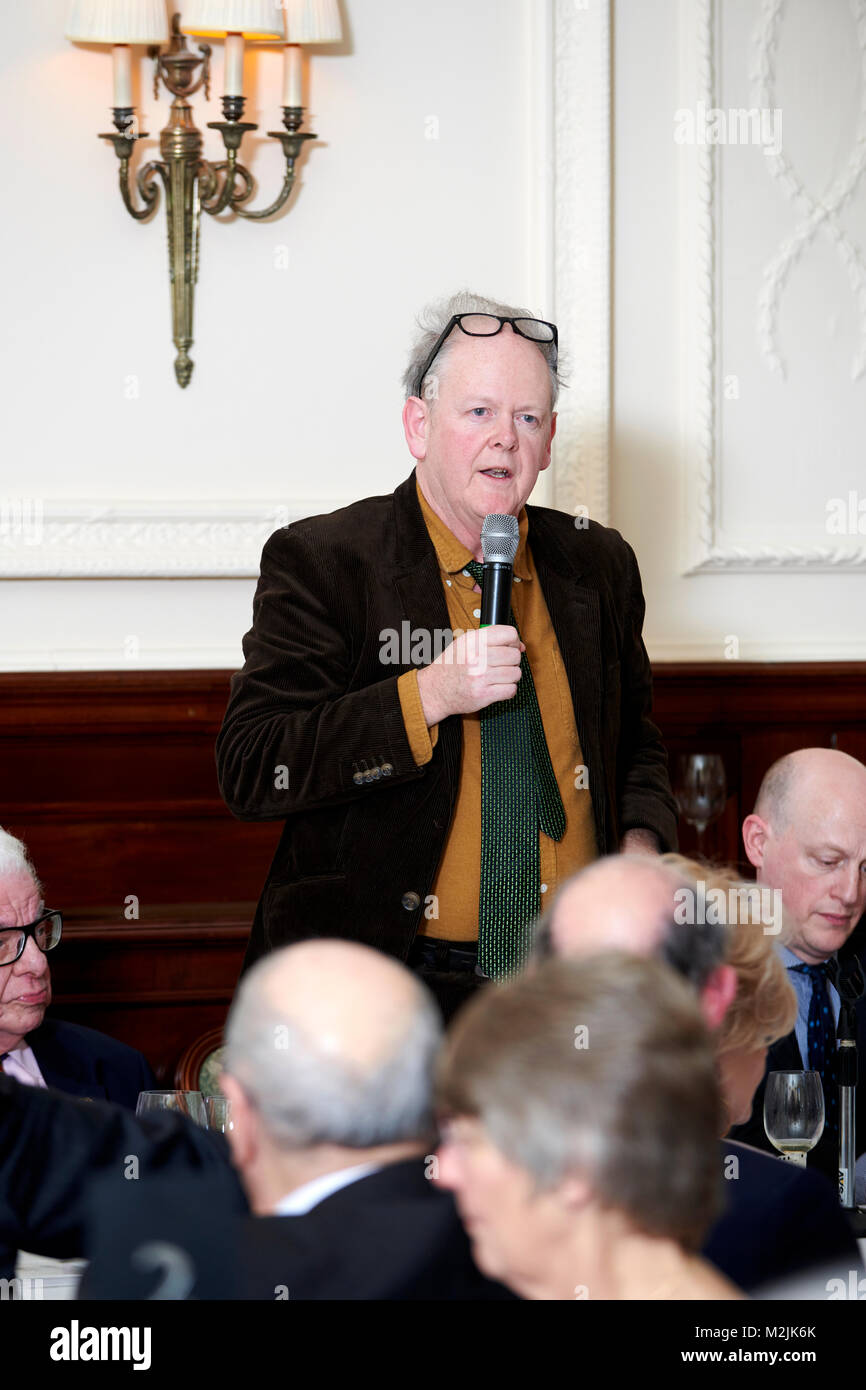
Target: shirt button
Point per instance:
(410, 901)
(476, 612)
(468, 575)
(448, 582)
(544, 887)
(517, 579)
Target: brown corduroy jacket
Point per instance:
(314, 732)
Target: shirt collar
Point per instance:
(453, 554)
(791, 960)
(20, 1062)
(310, 1194)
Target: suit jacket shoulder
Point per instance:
(778, 1220)
(84, 1062)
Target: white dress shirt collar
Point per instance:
(22, 1066)
(310, 1194)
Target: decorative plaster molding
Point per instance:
(817, 213)
(582, 174)
(141, 540)
(699, 338)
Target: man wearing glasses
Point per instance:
(435, 795)
(46, 1052)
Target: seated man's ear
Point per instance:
(755, 834)
(243, 1135)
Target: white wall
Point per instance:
(295, 397)
(690, 265)
(295, 400)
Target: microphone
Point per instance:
(846, 973)
(500, 537)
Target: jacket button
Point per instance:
(375, 774)
(358, 778)
(411, 901)
(387, 769)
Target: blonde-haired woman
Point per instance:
(764, 1008)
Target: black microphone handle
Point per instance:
(496, 593)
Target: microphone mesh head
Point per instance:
(500, 537)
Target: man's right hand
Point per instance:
(477, 669)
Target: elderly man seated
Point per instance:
(330, 1048)
(580, 1115)
(807, 838)
(35, 1050)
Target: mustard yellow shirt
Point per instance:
(456, 887)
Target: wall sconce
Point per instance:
(190, 181)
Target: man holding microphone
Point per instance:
(429, 807)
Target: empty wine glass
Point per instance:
(219, 1113)
(700, 790)
(794, 1113)
(189, 1103)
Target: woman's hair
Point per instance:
(764, 1008)
(601, 1067)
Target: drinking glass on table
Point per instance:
(700, 790)
(219, 1113)
(189, 1103)
(794, 1113)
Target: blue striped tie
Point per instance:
(821, 1036)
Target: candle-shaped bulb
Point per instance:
(293, 87)
(122, 74)
(234, 73)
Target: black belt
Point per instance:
(434, 953)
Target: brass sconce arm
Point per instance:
(292, 143)
(148, 189)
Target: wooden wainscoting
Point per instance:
(751, 714)
(109, 778)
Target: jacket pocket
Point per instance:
(307, 907)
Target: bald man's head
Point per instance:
(634, 903)
(807, 838)
(335, 1044)
(620, 903)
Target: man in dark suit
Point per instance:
(33, 1049)
(807, 839)
(777, 1220)
(408, 824)
(329, 1054)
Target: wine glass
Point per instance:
(189, 1103)
(219, 1113)
(701, 790)
(794, 1113)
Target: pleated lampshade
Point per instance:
(117, 21)
(313, 21)
(255, 19)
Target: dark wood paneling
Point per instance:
(751, 714)
(109, 778)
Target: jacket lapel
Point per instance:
(61, 1068)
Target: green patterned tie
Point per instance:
(519, 797)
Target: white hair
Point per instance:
(431, 324)
(308, 1096)
(14, 857)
